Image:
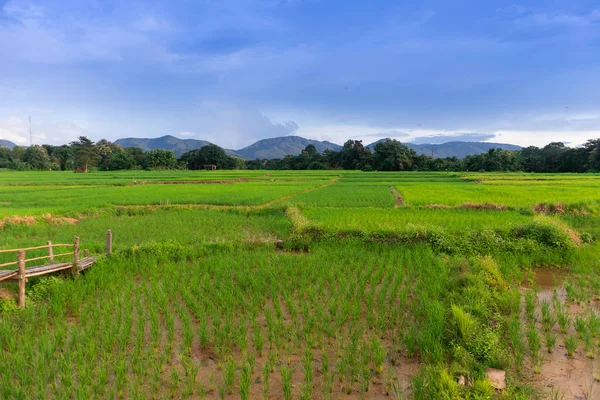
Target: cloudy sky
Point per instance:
(234, 71)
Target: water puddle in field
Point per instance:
(547, 281)
(562, 376)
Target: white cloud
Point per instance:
(151, 23)
(16, 130)
(530, 17)
(541, 138)
(234, 126)
(454, 137)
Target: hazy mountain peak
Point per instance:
(454, 149)
(7, 143)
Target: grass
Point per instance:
(348, 195)
(510, 193)
(60, 200)
(377, 219)
(199, 302)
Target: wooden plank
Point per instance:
(85, 263)
(8, 274)
(46, 269)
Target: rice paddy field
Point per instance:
(305, 285)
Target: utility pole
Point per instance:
(30, 135)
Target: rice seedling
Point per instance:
(564, 319)
(580, 326)
(245, 380)
(549, 318)
(593, 321)
(266, 373)
(229, 375)
(550, 340)
(571, 345)
(530, 305)
(286, 380)
(590, 347)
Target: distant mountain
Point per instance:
(281, 146)
(168, 142)
(7, 143)
(454, 149)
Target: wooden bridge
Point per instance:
(76, 264)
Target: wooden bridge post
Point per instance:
(22, 278)
(108, 242)
(86, 253)
(50, 252)
(75, 269)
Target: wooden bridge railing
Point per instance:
(21, 272)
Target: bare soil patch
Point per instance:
(398, 196)
(567, 377)
(17, 220)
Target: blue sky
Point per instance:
(234, 71)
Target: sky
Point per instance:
(236, 71)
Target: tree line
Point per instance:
(83, 155)
(391, 155)
(388, 155)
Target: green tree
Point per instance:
(5, 157)
(209, 155)
(105, 149)
(119, 159)
(139, 157)
(17, 153)
(85, 154)
(37, 158)
(592, 147)
(391, 155)
(551, 154)
(161, 159)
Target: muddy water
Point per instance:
(572, 377)
(547, 281)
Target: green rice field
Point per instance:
(304, 285)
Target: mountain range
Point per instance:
(454, 149)
(168, 142)
(7, 143)
(279, 147)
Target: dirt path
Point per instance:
(332, 182)
(398, 196)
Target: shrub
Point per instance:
(8, 306)
(44, 286)
(548, 232)
(483, 345)
(464, 322)
(434, 382)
